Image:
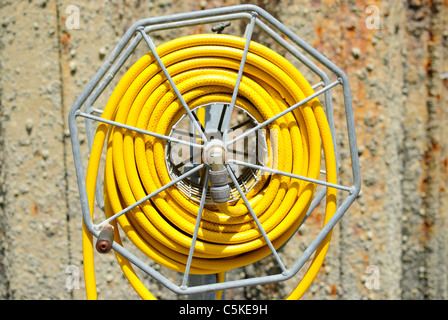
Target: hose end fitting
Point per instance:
(215, 156)
(105, 240)
(219, 186)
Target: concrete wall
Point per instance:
(398, 223)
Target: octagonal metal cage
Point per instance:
(254, 17)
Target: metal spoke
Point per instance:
(149, 196)
(248, 37)
(242, 124)
(152, 48)
(243, 62)
(317, 85)
(254, 216)
(149, 133)
(281, 114)
(195, 233)
(291, 175)
(221, 118)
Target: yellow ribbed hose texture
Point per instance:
(204, 68)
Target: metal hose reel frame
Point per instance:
(256, 17)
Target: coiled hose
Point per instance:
(204, 68)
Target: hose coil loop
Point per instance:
(204, 68)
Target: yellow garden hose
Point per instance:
(204, 68)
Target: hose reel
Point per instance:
(213, 146)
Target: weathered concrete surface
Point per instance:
(398, 223)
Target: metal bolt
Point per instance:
(220, 27)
